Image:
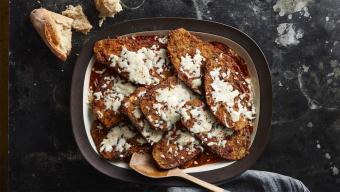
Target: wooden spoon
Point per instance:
(145, 165)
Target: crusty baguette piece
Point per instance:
(80, 22)
(55, 30)
(176, 148)
(226, 143)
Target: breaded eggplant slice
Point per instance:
(107, 98)
(204, 158)
(175, 149)
(132, 110)
(228, 144)
(98, 73)
(98, 133)
(142, 60)
(118, 142)
(229, 94)
(241, 63)
(187, 53)
(161, 104)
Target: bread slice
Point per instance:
(118, 142)
(162, 103)
(188, 53)
(80, 21)
(107, 98)
(228, 91)
(226, 143)
(175, 149)
(55, 30)
(141, 60)
(131, 108)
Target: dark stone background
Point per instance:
(43, 155)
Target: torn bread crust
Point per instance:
(55, 30)
(118, 142)
(176, 148)
(228, 144)
(133, 111)
(80, 22)
(187, 53)
(107, 98)
(229, 93)
(162, 103)
(141, 60)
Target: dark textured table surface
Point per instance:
(303, 50)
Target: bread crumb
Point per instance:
(80, 22)
(107, 8)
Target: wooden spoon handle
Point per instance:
(179, 173)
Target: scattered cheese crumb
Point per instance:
(287, 35)
(305, 68)
(309, 124)
(335, 170)
(285, 7)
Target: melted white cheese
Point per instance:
(163, 40)
(187, 141)
(219, 134)
(191, 67)
(170, 100)
(114, 95)
(138, 64)
(224, 92)
(117, 139)
(203, 120)
(151, 135)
